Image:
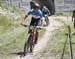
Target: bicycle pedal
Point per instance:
(22, 56)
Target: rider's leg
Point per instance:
(31, 24)
(36, 34)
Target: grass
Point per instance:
(64, 14)
(3, 5)
(7, 24)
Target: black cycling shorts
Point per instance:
(34, 22)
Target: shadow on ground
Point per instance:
(18, 53)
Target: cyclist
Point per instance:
(45, 10)
(36, 14)
(73, 18)
(46, 13)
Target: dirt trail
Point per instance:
(54, 24)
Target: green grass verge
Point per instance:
(56, 43)
(7, 24)
(64, 13)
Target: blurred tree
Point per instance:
(48, 3)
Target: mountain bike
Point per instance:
(31, 39)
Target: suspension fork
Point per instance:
(47, 20)
(36, 37)
(32, 41)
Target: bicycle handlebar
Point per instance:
(37, 27)
(24, 25)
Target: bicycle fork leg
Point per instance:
(47, 20)
(36, 37)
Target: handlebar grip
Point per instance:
(24, 25)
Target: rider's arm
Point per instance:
(25, 17)
(42, 20)
(24, 20)
(48, 11)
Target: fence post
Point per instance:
(64, 48)
(70, 42)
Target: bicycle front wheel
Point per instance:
(25, 49)
(47, 20)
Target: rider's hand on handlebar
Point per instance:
(22, 23)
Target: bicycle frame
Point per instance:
(35, 30)
(32, 38)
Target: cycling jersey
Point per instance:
(37, 15)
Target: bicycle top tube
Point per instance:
(35, 27)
